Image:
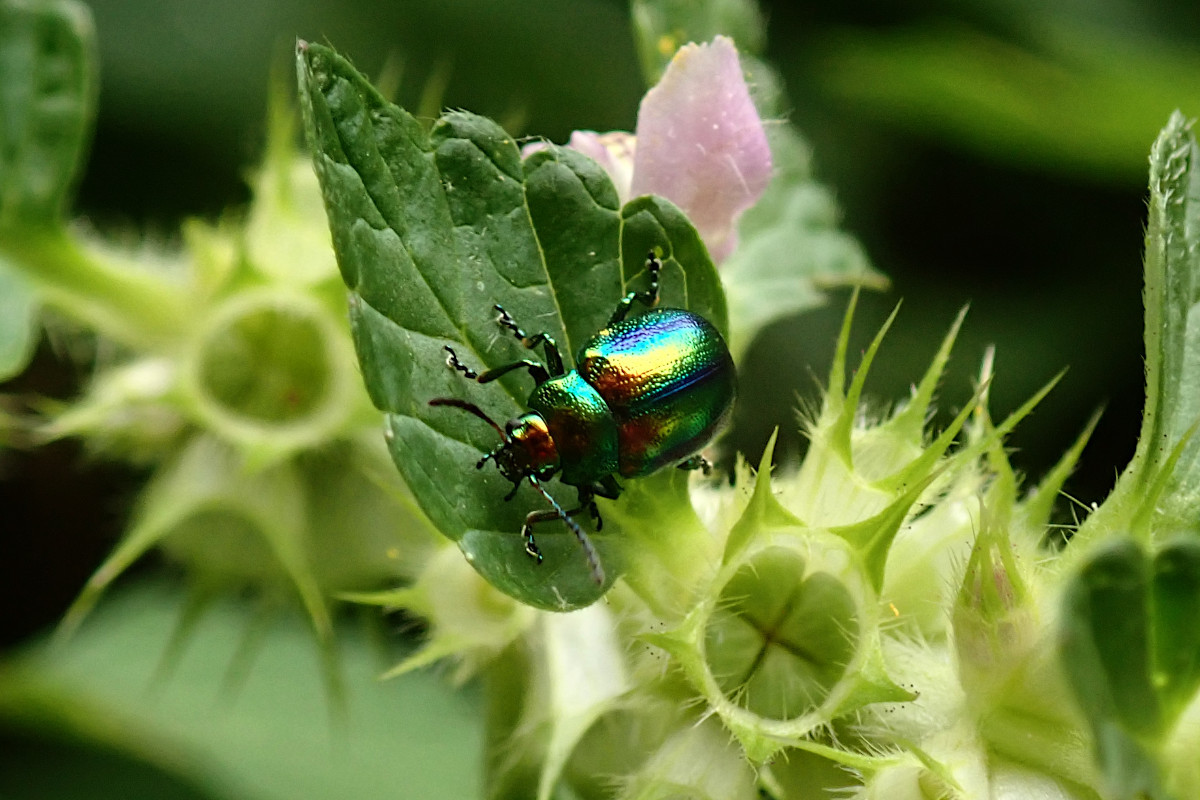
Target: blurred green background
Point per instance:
(990, 153)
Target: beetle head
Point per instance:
(527, 448)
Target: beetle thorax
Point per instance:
(528, 449)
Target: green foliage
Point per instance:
(1167, 447)
(1130, 648)
(783, 635)
(433, 229)
(883, 621)
(18, 314)
(203, 714)
(232, 379)
(1128, 632)
(47, 93)
(1158, 494)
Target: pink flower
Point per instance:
(613, 151)
(699, 143)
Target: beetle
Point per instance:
(647, 392)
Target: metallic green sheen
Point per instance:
(582, 426)
(669, 384)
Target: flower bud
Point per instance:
(994, 620)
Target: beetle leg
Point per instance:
(536, 370)
(608, 487)
(649, 298)
(697, 462)
(512, 494)
(453, 363)
(554, 360)
(534, 517)
(531, 519)
(587, 503)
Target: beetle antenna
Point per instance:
(454, 402)
(589, 551)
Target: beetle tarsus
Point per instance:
(505, 320)
(530, 545)
(648, 298)
(653, 266)
(587, 502)
(453, 363)
(531, 519)
(554, 363)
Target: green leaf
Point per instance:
(1158, 495)
(18, 317)
(47, 94)
(1104, 644)
(1107, 607)
(273, 739)
(1172, 297)
(432, 229)
(663, 26)
(1175, 596)
(47, 101)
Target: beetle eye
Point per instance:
(511, 427)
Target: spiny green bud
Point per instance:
(272, 371)
(783, 634)
(785, 639)
(994, 619)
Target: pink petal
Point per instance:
(614, 151)
(701, 144)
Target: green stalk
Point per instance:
(132, 306)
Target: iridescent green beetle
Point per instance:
(646, 393)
